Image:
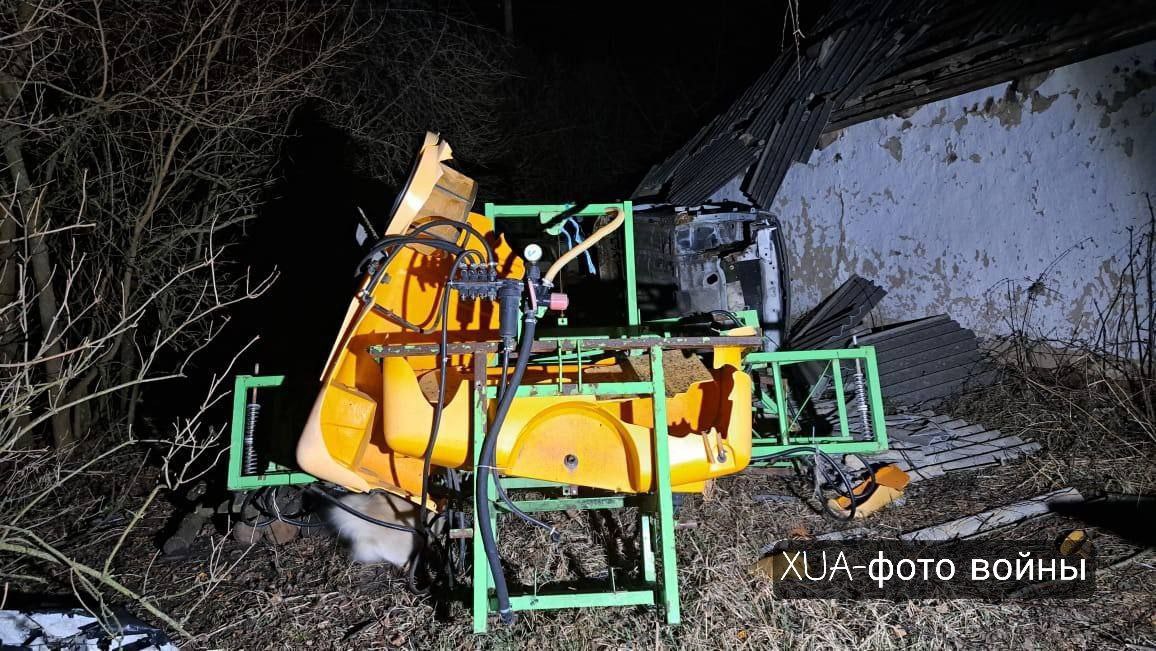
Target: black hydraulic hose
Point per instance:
(439, 405)
(432, 242)
(818, 455)
(485, 468)
(455, 518)
(435, 427)
(461, 226)
(555, 536)
(503, 386)
(411, 237)
(505, 372)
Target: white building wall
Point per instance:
(1013, 195)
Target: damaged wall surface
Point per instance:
(982, 204)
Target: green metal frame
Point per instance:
(775, 406)
(656, 509)
(546, 212)
(659, 583)
(274, 474)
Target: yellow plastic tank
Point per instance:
(370, 424)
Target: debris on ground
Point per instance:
(833, 322)
(76, 629)
(884, 486)
(187, 531)
(836, 318)
(926, 445)
(994, 519)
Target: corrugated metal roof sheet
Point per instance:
(927, 360)
(831, 323)
(867, 59)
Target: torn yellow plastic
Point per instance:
(888, 487)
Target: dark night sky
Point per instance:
(618, 86)
(601, 91)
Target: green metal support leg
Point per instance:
(669, 586)
(657, 527)
(646, 542)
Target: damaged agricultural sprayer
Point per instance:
(464, 379)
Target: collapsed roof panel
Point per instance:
(864, 60)
(927, 360)
(832, 322)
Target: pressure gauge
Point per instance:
(532, 253)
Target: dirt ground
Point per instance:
(307, 594)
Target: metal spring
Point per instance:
(861, 398)
(249, 458)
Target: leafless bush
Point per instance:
(1118, 361)
(160, 120)
(138, 138)
(1089, 398)
(35, 490)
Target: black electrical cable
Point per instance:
(852, 499)
(738, 323)
(816, 453)
(485, 469)
(354, 512)
(265, 500)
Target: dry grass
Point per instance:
(306, 594)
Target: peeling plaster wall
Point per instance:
(980, 205)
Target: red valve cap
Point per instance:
(558, 302)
